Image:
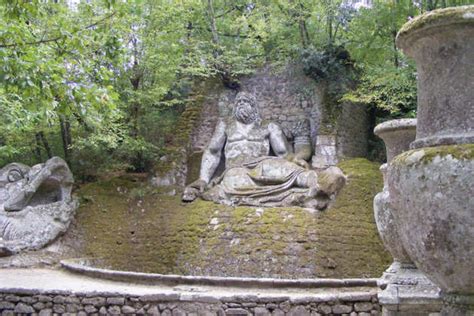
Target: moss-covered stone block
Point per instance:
(153, 232)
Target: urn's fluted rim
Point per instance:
(434, 19)
(395, 125)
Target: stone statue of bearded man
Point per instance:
(251, 175)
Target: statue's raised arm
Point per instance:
(278, 141)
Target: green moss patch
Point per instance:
(135, 227)
(425, 155)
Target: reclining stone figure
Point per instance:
(253, 177)
(35, 204)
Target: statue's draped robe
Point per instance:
(263, 181)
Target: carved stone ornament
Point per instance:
(35, 204)
(252, 176)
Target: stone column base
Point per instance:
(325, 152)
(409, 292)
(458, 305)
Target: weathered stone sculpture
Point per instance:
(252, 176)
(35, 204)
(432, 186)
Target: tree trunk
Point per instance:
(37, 149)
(46, 146)
(395, 51)
(66, 137)
(303, 32)
(212, 20)
(134, 108)
(137, 161)
(394, 33)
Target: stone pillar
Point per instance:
(325, 152)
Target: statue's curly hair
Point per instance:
(248, 96)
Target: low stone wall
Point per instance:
(29, 302)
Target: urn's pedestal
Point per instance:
(325, 154)
(409, 292)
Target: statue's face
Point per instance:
(245, 111)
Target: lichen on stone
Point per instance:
(428, 154)
(435, 18)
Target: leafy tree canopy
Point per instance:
(90, 80)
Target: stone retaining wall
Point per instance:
(352, 131)
(286, 97)
(31, 303)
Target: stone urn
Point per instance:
(441, 42)
(432, 185)
(397, 136)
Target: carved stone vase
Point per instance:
(397, 136)
(432, 187)
(441, 42)
(405, 289)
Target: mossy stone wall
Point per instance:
(133, 226)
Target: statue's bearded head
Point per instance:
(245, 108)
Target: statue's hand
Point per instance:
(198, 184)
(193, 190)
(301, 162)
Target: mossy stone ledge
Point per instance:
(428, 154)
(462, 15)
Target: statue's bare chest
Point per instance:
(252, 133)
(246, 142)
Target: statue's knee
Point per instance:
(332, 180)
(307, 179)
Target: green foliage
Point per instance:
(53, 65)
(392, 90)
(331, 64)
(371, 35)
(103, 83)
(388, 80)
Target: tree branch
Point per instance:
(55, 39)
(225, 13)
